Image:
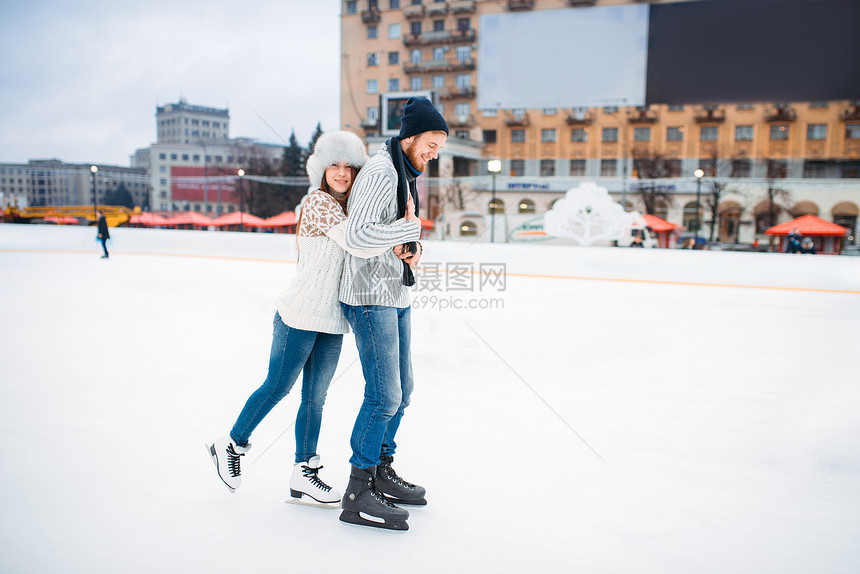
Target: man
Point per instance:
(382, 211)
(103, 233)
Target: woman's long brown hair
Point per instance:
(324, 187)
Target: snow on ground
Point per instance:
(612, 411)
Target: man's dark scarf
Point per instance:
(406, 176)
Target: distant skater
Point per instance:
(104, 234)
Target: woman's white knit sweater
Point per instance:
(311, 301)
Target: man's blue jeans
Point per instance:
(293, 351)
(382, 335)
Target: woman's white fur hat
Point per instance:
(335, 147)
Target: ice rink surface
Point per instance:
(599, 411)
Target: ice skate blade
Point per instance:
(352, 517)
(308, 500)
(401, 502)
(211, 450)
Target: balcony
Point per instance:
(463, 7)
(779, 113)
(440, 37)
(517, 119)
(461, 121)
(437, 9)
(414, 12)
(370, 16)
(579, 118)
(851, 114)
(643, 116)
(515, 5)
(710, 115)
(457, 93)
(581, 3)
(453, 65)
(369, 123)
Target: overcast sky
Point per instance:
(81, 79)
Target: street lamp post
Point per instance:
(699, 174)
(241, 174)
(494, 166)
(94, 169)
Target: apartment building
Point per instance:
(809, 151)
(193, 164)
(55, 183)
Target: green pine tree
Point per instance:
(317, 133)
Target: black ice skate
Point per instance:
(363, 505)
(395, 488)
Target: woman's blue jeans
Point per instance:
(382, 335)
(293, 351)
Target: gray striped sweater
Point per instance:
(372, 223)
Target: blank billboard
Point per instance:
(704, 51)
(563, 58)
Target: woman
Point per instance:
(309, 323)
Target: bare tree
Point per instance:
(649, 168)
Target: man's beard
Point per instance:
(412, 155)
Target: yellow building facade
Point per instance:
(810, 149)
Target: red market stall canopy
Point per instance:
(190, 218)
(426, 223)
(285, 219)
(660, 225)
(239, 218)
(149, 219)
(808, 225)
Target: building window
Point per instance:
(547, 167)
(462, 109)
(526, 206)
(851, 169)
(489, 136)
(676, 108)
(415, 56)
(393, 31)
(745, 106)
(372, 87)
(817, 105)
(816, 132)
(641, 134)
(852, 131)
(461, 134)
(372, 32)
(518, 167)
(373, 59)
(162, 156)
(741, 168)
(463, 81)
(393, 58)
(438, 81)
(491, 113)
(518, 136)
(415, 83)
(779, 132)
(577, 167)
(608, 167)
(468, 229)
(610, 134)
(709, 133)
(416, 2)
(579, 135)
(814, 169)
(438, 25)
(464, 53)
(674, 134)
(708, 166)
(743, 133)
(777, 168)
(372, 114)
(496, 207)
(610, 109)
(438, 54)
(393, 84)
(415, 28)
(464, 24)
(547, 135)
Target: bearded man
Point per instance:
(383, 212)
